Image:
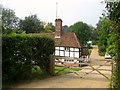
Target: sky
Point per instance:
(70, 11)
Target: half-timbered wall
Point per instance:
(68, 52)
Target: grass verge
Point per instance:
(65, 70)
(89, 51)
(37, 74)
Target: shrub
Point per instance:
(111, 50)
(19, 51)
(102, 50)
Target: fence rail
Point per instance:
(92, 68)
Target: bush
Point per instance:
(111, 50)
(37, 73)
(19, 51)
(102, 50)
(89, 46)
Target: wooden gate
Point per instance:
(83, 62)
(92, 68)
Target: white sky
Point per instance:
(70, 11)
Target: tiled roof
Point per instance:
(68, 40)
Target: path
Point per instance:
(93, 80)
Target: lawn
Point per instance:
(65, 70)
(89, 51)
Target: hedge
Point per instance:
(21, 52)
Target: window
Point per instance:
(57, 48)
(76, 49)
(67, 48)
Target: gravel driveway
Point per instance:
(72, 80)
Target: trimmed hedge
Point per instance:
(20, 52)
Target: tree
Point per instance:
(111, 44)
(65, 28)
(94, 34)
(103, 32)
(31, 24)
(9, 19)
(49, 28)
(82, 30)
(113, 9)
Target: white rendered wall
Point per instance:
(56, 48)
(62, 48)
(71, 54)
(77, 54)
(76, 49)
(56, 52)
(66, 52)
(71, 49)
(61, 53)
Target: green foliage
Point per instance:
(65, 28)
(31, 24)
(89, 51)
(49, 28)
(63, 70)
(9, 19)
(102, 50)
(19, 31)
(10, 23)
(113, 9)
(20, 51)
(37, 73)
(8, 31)
(82, 30)
(93, 35)
(89, 46)
(36, 69)
(111, 44)
(104, 35)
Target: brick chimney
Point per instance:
(58, 28)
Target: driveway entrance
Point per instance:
(72, 80)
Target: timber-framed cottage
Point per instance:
(66, 44)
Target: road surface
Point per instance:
(72, 80)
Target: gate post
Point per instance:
(52, 65)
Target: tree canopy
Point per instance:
(82, 30)
(9, 19)
(31, 24)
(65, 28)
(104, 34)
(49, 28)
